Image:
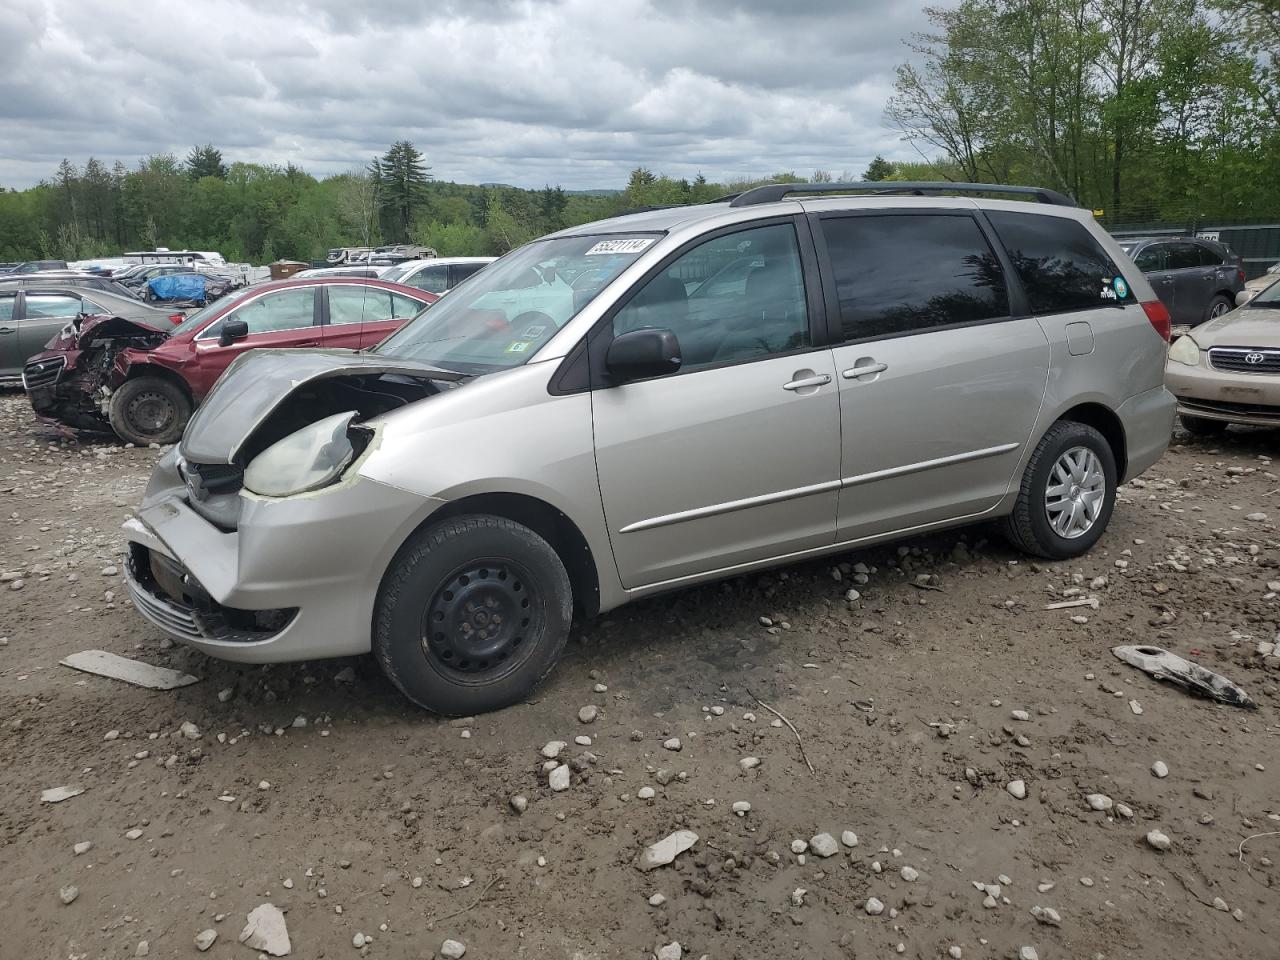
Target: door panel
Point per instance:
(11, 358)
(735, 458)
(43, 315)
(282, 318)
(718, 443)
(1191, 291)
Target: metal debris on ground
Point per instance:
(104, 664)
(1163, 665)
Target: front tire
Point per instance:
(149, 410)
(1067, 494)
(1218, 306)
(472, 615)
(1203, 426)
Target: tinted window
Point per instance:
(53, 305)
(7, 300)
(1182, 255)
(1060, 264)
(765, 314)
(282, 310)
(1151, 258)
(433, 279)
(1208, 256)
(901, 273)
(460, 272)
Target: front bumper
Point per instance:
(297, 580)
(1203, 391)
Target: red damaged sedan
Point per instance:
(144, 381)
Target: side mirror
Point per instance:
(232, 330)
(640, 354)
(1243, 297)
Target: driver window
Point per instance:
(733, 298)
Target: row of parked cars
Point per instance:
(640, 404)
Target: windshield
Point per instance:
(1267, 297)
(504, 314)
(400, 270)
(197, 319)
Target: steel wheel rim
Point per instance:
(151, 413)
(481, 623)
(1075, 494)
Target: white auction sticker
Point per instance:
(620, 246)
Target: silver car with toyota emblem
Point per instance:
(650, 402)
(1228, 370)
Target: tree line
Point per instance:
(1149, 110)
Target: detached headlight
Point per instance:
(1185, 350)
(312, 458)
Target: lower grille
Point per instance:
(1245, 359)
(1194, 404)
(42, 373)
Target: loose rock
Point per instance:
(266, 931)
(205, 938)
(452, 949)
(666, 850)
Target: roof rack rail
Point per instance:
(772, 192)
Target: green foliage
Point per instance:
(878, 169)
(206, 161)
(402, 178)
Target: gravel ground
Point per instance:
(314, 787)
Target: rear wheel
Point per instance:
(1218, 306)
(149, 410)
(1203, 426)
(472, 615)
(1067, 494)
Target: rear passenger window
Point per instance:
(1208, 258)
(1183, 255)
(1151, 258)
(902, 273)
(1061, 266)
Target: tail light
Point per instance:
(176, 318)
(1240, 273)
(1158, 314)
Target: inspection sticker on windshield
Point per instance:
(518, 346)
(619, 246)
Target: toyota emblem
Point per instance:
(1253, 358)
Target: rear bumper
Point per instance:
(1147, 419)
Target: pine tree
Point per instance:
(402, 179)
(879, 169)
(206, 161)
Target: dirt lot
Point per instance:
(314, 787)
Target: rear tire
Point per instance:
(1067, 493)
(472, 615)
(1217, 307)
(1203, 426)
(149, 410)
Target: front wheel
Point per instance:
(1218, 306)
(473, 613)
(149, 410)
(1067, 494)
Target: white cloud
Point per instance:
(575, 92)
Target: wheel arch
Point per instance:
(137, 371)
(548, 522)
(1107, 422)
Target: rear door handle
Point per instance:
(307, 343)
(818, 380)
(867, 370)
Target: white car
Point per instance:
(436, 275)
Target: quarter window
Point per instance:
(902, 273)
(434, 279)
(281, 310)
(1208, 257)
(1151, 259)
(763, 312)
(1061, 266)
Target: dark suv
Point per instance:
(1197, 279)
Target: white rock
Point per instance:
(358, 940)
(189, 730)
(1255, 517)
(849, 838)
(519, 803)
(1124, 811)
(558, 779)
(588, 713)
(670, 951)
(582, 740)
(84, 846)
(1220, 904)
(657, 900)
(1017, 789)
(1159, 840)
(1160, 769)
(672, 744)
(799, 846)
(111, 735)
(1028, 953)
(645, 793)
(225, 694)
(266, 931)
(1020, 715)
(452, 949)
(749, 763)
(133, 834)
(741, 808)
(955, 953)
(910, 874)
(1047, 916)
(874, 907)
(666, 849)
(69, 893)
(1136, 707)
(553, 748)
(1099, 801)
(205, 938)
(58, 794)
(824, 845)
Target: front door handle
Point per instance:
(818, 380)
(857, 371)
(307, 343)
(7, 330)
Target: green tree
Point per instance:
(206, 161)
(878, 169)
(402, 179)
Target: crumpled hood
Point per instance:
(1246, 327)
(257, 383)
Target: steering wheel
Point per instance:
(531, 316)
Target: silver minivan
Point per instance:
(645, 403)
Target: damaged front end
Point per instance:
(70, 383)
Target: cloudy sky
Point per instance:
(529, 92)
